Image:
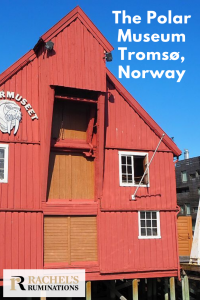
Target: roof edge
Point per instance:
(143, 114)
(70, 17)
(77, 12)
(19, 64)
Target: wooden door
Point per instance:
(184, 225)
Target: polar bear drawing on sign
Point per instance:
(10, 116)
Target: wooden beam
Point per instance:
(124, 285)
(111, 286)
(112, 289)
(149, 288)
(135, 289)
(88, 290)
(189, 267)
(154, 288)
(166, 287)
(185, 288)
(91, 125)
(172, 288)
(75, 99)
(142, 289)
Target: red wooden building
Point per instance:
(74, 145)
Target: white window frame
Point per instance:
(5, 147)
(132, 154)
(158, 236)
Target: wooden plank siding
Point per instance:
(70, 239)
(184, 226)
(21, 240)
(122, 251)
(56, 246)
(71, 176)
(161, 193)
(83, 239)
(125, 129)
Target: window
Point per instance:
(132, 166)
(187, 209)
(195, 209)
(199, 191)
(181, 190)
(197, 173)
(3, 163)
(192, 176)
(149, 224)
(184, 176)
(182, 209)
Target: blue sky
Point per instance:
(174, 106)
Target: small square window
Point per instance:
(149, 224)
(3, 163)
(132, 166)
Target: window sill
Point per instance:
(71, 143)
(149, 237)
(135, 185)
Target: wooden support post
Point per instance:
(154, 288)
(172, 288)
(166, 289)
(135, 289)
(112, 289)
(149, 288)
(142, 290)
(185, 288)
(43, 295)
(88, 290)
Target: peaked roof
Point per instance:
(77, 12)
(143, 114)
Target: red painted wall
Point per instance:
(160, 195)
(22, 246)
(122, 251)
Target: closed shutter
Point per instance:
(83, 239)
(70, 239)
(71, 176)
(56, 239)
